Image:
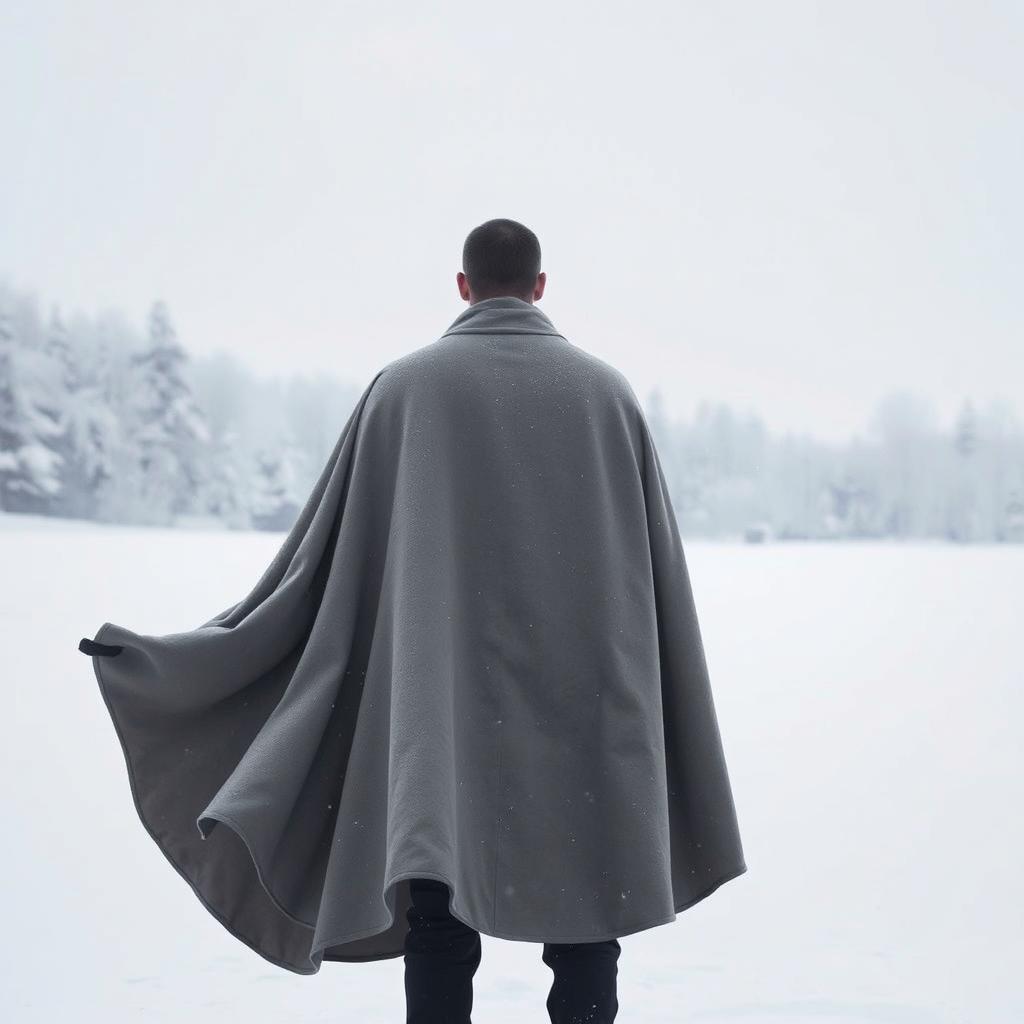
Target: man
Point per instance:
(468, 695)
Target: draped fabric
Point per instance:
(475, 658)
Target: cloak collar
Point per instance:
(503, 314)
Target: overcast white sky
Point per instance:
(795, 207)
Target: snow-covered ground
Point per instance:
(870, 703)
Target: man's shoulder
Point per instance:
(437, 360)
(616, 382)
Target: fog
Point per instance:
(796, 229)
(794, 208)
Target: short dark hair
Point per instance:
(501, 257)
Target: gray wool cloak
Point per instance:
(475, 658)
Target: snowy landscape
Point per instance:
(107, 420)
(794, 228)
(869, 697)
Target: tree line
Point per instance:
(100, 420)
(103, 421)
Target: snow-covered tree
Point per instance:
(903, 426)
(276, 499)
(11, 427)
(105, 427)
(227, 493)
(961, 514)
(91, 360)
(99, 419)
(168, 428)
(29, 465)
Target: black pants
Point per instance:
(442, 955)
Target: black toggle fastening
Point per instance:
(87, 646)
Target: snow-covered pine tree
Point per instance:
(105, 426)
(52, 379)
(87, 420)
(10, 427)
(29, 468)
(961, 508)
(225, 493)
(170, 430)
(58, 345)
(276, 500)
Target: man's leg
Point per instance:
(441, 957)
(584, 990)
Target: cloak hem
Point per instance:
(387, 895)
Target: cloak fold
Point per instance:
(475, 658)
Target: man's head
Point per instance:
(501, 257)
